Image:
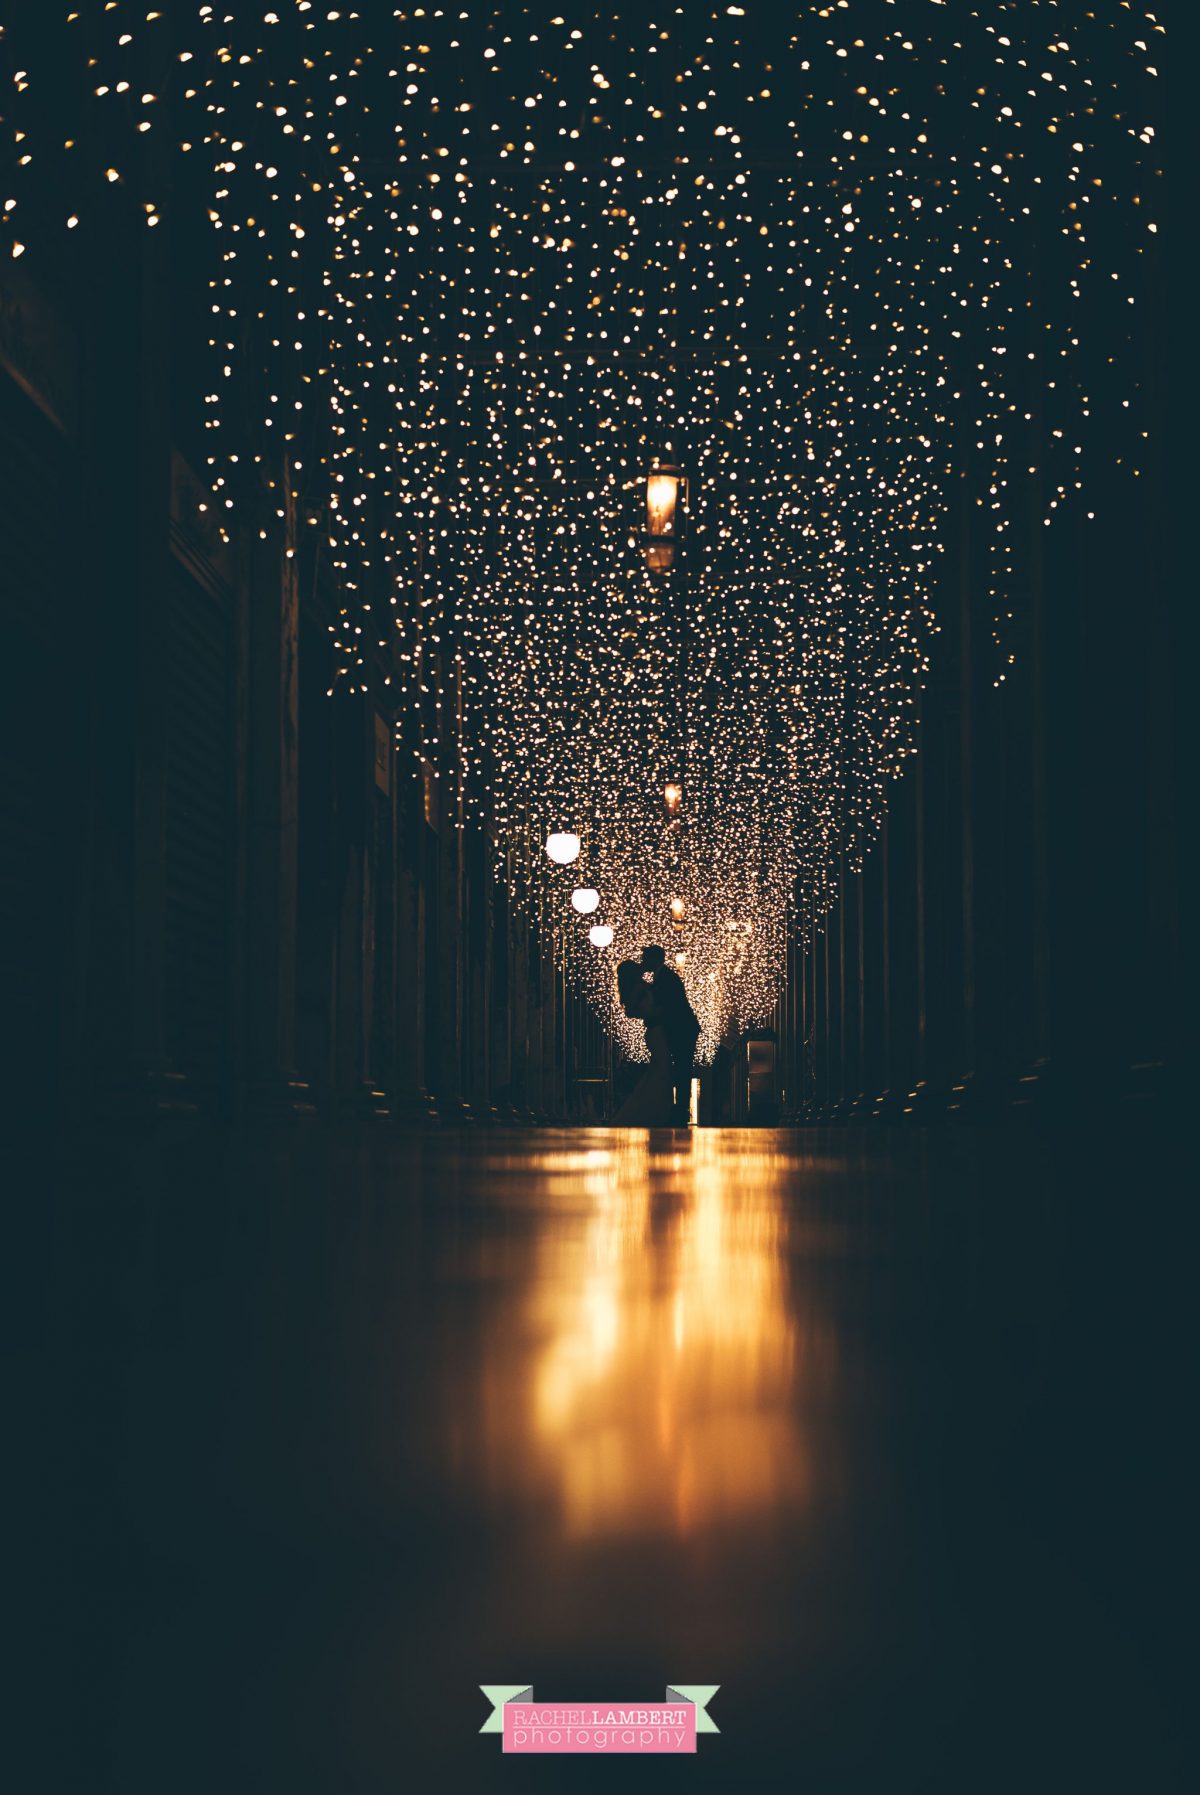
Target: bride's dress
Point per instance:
(651, 1103)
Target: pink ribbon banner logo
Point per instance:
(668, 1727)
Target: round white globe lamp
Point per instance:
(562, 847)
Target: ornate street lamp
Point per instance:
(666, 486)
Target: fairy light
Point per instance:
(495, 278)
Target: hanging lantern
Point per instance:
(601, 935)
(678, 910)
(673, 798)
(585, 900)
(562, 847)
(681, 958)
(665, 486)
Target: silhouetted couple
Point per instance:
(652, 991)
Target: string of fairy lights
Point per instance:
(478, 270)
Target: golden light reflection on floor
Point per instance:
(660, 1394)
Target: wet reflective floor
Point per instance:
(869, 1430)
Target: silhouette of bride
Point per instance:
(651, 1103)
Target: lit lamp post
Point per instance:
(563, 847)
(666, 513)
(666, 485)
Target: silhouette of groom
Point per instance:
(679, 1020)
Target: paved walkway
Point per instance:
(844, 1423)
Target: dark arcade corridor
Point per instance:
(360, 1360)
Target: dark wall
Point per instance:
(224, 889)
(1013, 940)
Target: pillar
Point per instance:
(273, 808)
